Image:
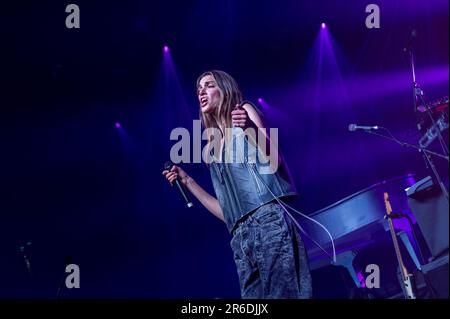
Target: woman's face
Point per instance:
(208, 93)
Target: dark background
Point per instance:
(74, 185)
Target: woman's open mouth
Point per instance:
(203, 101)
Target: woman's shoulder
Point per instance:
(249, 105)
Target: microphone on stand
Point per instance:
(354, 127)
(168, 166)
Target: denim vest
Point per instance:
(241, 183)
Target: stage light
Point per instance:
(166, 49)
(323, 25)
(260, 101)
(118, 125)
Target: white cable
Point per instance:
(280, 202)
(283, 204)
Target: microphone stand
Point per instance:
(427, 154)
(416, 90)
(418, 94)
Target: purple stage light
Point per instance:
(166, 49)
(361, 279)
(118, 125)
(263, 103)
(323, 25)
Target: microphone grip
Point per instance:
(184, 193)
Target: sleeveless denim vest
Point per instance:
(241, 181)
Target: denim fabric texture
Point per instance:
(240, 186)
(270, 256)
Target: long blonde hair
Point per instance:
(230, 95)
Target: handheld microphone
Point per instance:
(354, 127)
(168, 166)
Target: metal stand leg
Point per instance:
(405, 239)
(346, 260)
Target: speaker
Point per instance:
(436, 274)
(430, 207)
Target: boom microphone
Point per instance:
(354, 127)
